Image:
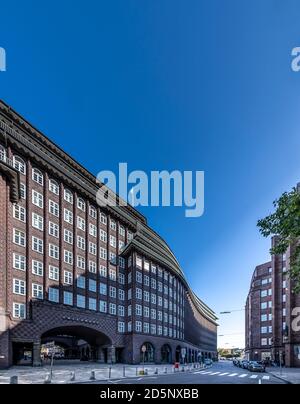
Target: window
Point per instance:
(264, 293)
(159, 330)
(269, 292)
(37, 221)
(103, 253)
(284, 312)
(37, 245)
(264, 330)
(37, 176)
(153, 329)
(129, 235)
(93, 212)
(153, 283)
(159, 284)
(264, 341)
(93, 230)
(138, 310)
(92, 248)
(92, 304)
(139, 262)
(19, 287)
(121, 326)
(112, 292)
(153, 314)
(19, 310)
(19, 164)
(103, 288)
(103, 271)
(37, 291)
(37, 199)
(68, 257)
(284, 284)
(121, 245)
(53, 273)
(112, 241)
(54, 251)
(159, 315)
(19, 237)
(68, 278)
(159, 300)
(129, 310)
(102, 306)
(81, 282)
(68, 196)
(264, 317)
(92, 285)
(112, 275)
(23, 191)
(68, 216)
(138, 326)
(19, 213)
(146, 280)
(121, 278)
(129, 294)
(112, 258)
(153, 269)
(68, 236)
(121, 294)
(80, 262)
(146, 312)
(54, 229)
(103, 236)
(153, 298)
(37, 268)
(283, 298)
(81, 204)
(103, 218)
(112, 224)
(138, 277)
(146, 296)
(81, 242)
(80, 223)
(138, 293)
(92, 267)
(53, 295)
(264, 305)
(146, 266)
(81, 301)
(112, 309)
(53, 208)
(19, 262)
(53, 187)
(121, 311)
(264, 281)
(270, 270)
(146, 328)
(68, 298)
(122, 231)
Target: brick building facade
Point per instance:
(71, 270)
(273, 314)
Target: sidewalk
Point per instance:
(78, 373)
(289, 375)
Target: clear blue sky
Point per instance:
(188, 85)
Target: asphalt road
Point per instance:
(219, 373)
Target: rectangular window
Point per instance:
(121, 326)
(103, 236)
(103, 218)
(103, 306)
(112, 309)
(53, 295)
(138, 277)
(80, 262)
(19, 287)
(146, 328)
(37, 221)
(68, 257)
(37, 245)
(53, 208)
(19, 262)
(92, 304)
(19, 310)
(68, 216)
(19, 237)
(121, 278)
(93, 230)
(113, 225)
(81, 282)
(68, 196)
(138, 310)
(103, 271)
(53, 273)
(138, 293)
(112, 274)
(68, 298)
(103, 288)
(92, 285)
(81, 204)
(54, 229)
(121, 311)
(121, 294)
(54, 251)
(112, 292)
(68, 236)
(92, 267)
(23, 191)
(37, 291)
(19, 213)
(138, 326)
(112, 241)
(37, 268)
(80, 243)
(68, 278)
(37, 199)
(92, 248)
(103, 253)
(80, 301)
(93, 212)
(80, 223)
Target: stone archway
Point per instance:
(166, 354)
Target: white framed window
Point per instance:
(146, 296)
(81, 242)
(37, 221)
(37, 199)
(264, 293)
(159, 330)
(68, 196)
(81, 301)
(103, 218)
(37, 268)
(68, 236)
(54, 251)
(68, 298)
(129, 235)
(53, 208)
(68, 257)
(102, 306)
(121, 311)
(146, 266)
(37, 176)
(153, 329)
(68, 278)
(19, 213)
(112, 274)
(138, 310)
(138, 293)
(93, 230)
(121, 326)
(53, 273)
(53, 187)
(159, 315)
(93, 212)
(19, 287)
(103, 253)
(92, 304)
(92, 285)
(19, 262)
(122, 231)
(92, 267)
(112, 241)
(53, 295)
(146, 280)
(264, 305)
(121, 245)
(37, 291)
(19, 310)
(102, 288)
(54, 229)
(153, 298)
(112, 292)
(121, 294)
(153, 269)
(146, 328)
(138, 277)
(68, 216)
(19, 164)
(103, 271)
(284, 312)
(284, 284)
(139, 262)
(37, 245)
(264, 317)
(92, 248)
(284, 298)
(129, 310)
(264, 330)
(80, 223)
(23, 191)
(146, 312)
(121, 278)
(80, 262)
(103, 236)
(138, 326)
(81, 204)
(112, 225)
(112, 309)
(153, 283)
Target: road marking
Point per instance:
(206, 373)
(223, 374)
(253, 377)
(233, 374)
(215, 373)
(266, 377)
(243, 375)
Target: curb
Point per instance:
(281, 378)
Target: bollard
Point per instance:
(93, 376)
(136, 371)
(156, 371)
(47, 379)
(72, 377)
(109, 372)
(13, 380)
(124, 371)
(146, 372)
(166, 370)
(182, 369)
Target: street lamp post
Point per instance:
(144, 351)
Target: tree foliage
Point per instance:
(285, 224)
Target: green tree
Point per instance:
(285, 224)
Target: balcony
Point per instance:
(8, 169)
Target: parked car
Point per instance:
(208, 362)
(245, 364)
(256, 367)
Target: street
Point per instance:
(219, 373)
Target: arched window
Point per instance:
(68, 196)
(37, 176)
(93, 212)
(19, 164)
(54, 187)
(147, 353)
(81, 204)
(166, 354)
